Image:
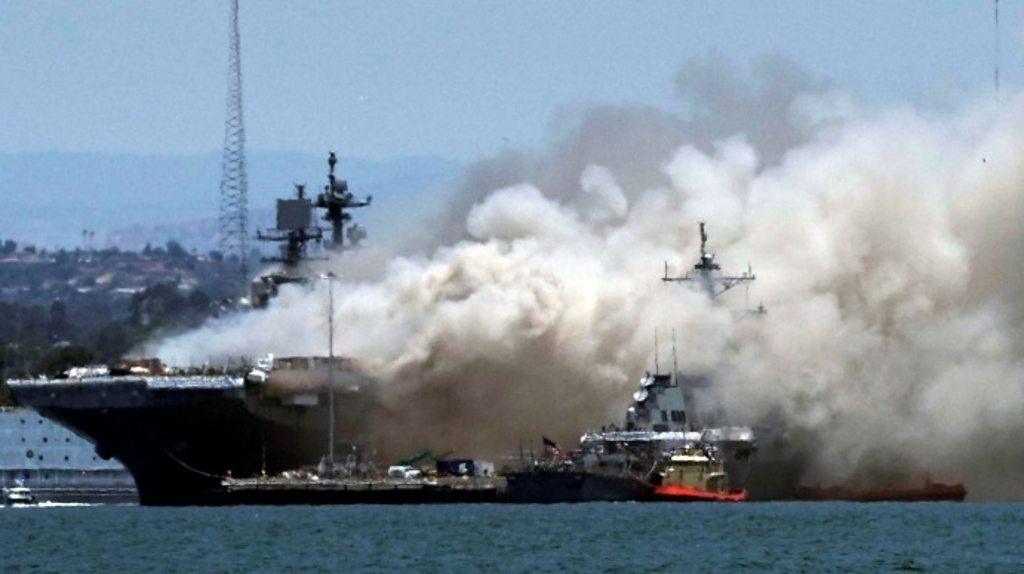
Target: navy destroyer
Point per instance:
(181, 431)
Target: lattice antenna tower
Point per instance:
(995, 31)
(233, 181)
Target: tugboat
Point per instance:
(695, 475)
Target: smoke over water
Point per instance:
(888, 250)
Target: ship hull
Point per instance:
(179, 444)
(679, 493)
(547, 487)
(178, 455)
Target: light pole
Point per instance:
(330, 372)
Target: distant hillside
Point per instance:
(48, 198)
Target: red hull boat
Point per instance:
(692, 475)
(680, 493)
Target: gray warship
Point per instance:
(181, 431)
(667, 415)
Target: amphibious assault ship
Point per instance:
(180, 431)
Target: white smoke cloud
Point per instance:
(888, 252)
(602, 199)
(521, 212)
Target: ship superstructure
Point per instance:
(670, 416)
(656, 427)
(654, 456)
(297, 227)
(707, 274)
(337, 200)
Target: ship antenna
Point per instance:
(708, 273)
(657, 371)
(703, 241)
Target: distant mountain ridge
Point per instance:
(48, 198)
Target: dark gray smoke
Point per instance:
(775, 105)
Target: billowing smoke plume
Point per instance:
(888, 250)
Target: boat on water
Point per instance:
(56, 464)
(695, 475)
(658, 457)
(185, 433)
(19, 496)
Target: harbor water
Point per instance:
(596, 537)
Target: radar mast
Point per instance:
(295, 228)
(336, 198)
(707, 274)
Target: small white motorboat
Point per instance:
(19, 496)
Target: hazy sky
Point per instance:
(455, 79)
